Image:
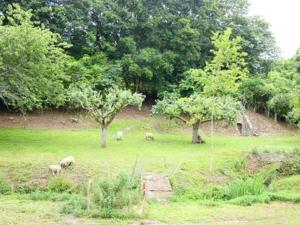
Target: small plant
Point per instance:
(111, 198)
(4, 187)
(240, 165)
(60, 185)
(254, 152)
(116, 193)
(77, 206)
(241, 187)
(26, 188)
(289, 168)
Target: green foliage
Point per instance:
(209, 94)
(157, 41)
(32, 64)
(289, 167)
(285, 197)
(60, 184)
(241, 187)
(248, 200)
(103, 105)
(26, 188)
(291, 183)
(116, 193)
(255, 93)
(197, 108)
(228, 67)
(77, 206)
(4, 187)
(110, 198)
(50, 196)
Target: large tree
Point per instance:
(155, 41)
(32, 63)
(104, 105)
(196, 109)
(209, 94)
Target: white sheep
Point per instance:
(119, 136)
(149, 137)
(55, 169)
(67, 161)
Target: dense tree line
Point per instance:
(152, 42)
(48, 48)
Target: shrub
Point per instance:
(60, 184)
(289, 168)
(241, 187)
(4, 187)
(109, 198)
(26, 188)
(115, 193)
(77, 206)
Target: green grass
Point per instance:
(288, 183)
(26, 153)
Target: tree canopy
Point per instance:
(32, 64)
(103, 106)
(154, 42)
(211, 91)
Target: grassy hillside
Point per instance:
(26, 153)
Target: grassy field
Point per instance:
(26, 153)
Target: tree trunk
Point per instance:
(196, 137)
(103, 137)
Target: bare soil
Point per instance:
(69, 120)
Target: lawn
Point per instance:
(26, 153)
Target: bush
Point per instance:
(241, 187)
(26, 188)
(289, 168)
(77, 206)
(4, 187)
(60, 185)
(109, 198)
(116, 193)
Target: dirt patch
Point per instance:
(64, 120)
(67, 120)
(256, 161)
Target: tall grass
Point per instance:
(241, 187)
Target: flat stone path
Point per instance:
(156, 186)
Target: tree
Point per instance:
(210, 93)
(103, 106)
(157, 40)
(32, 64)
(196, 109)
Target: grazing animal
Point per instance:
(67, 161)
(119, 136)
(55, 169)
(149, 137)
